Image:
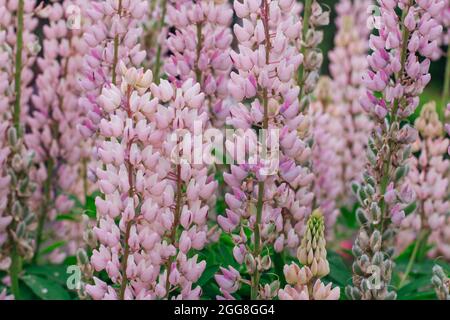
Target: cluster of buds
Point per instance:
(398, 74)
(87, 272)
(441, 283)
(314, 17)
(348, 63)
(428, 176)
(304, 283)
(384, 202)
(200, 48)
(111, 35)
(19, 222)
(18, 49)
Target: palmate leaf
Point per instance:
(340, 274)
(90, 208)
(45, 289)
(347, 217)
(56, 273)
(415, 287)
(208, 275)
(52, 247)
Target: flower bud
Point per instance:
(401, 172)
(266, 263)
(30, 218)
(17, 210)
(82, 257)
(90, 239)
(12, 136)
(361, 216)
(312, 251)
(17, 163)
(23, 185)
(20, 230)
(375, 211)
(250, 263)
(355, 188)
(375, 241)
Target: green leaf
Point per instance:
(57, 273)
(52, 247)
(220, 206)
(66, 217)
(208, 274)
(348, 217)
(410, 208)
(77, 201)
(26, 293)
(90, 208)
(45, 289)
(278, 264)
(404, 256)
(414, 286)
(340, 273)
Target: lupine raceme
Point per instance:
(394, 82)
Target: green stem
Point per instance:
(305, 28)
(159, 48)
(261, 185)
(18, 71)
(123, 284)
(173, 233)
(131, 194)
(45, 207)
(257, 249)
(412, 259)
(116, 49)
(445, 94)
(14, 271)
(16, 260)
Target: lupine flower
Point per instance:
(265, 66)
(398, 74)
(441, 283)
(53, 134)
(161, 205)
(200, 49)
(327, 163)
(121, 180)
(348, 63)
(181, 223)
(304, 283)
(428, 178)
(111, 37)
